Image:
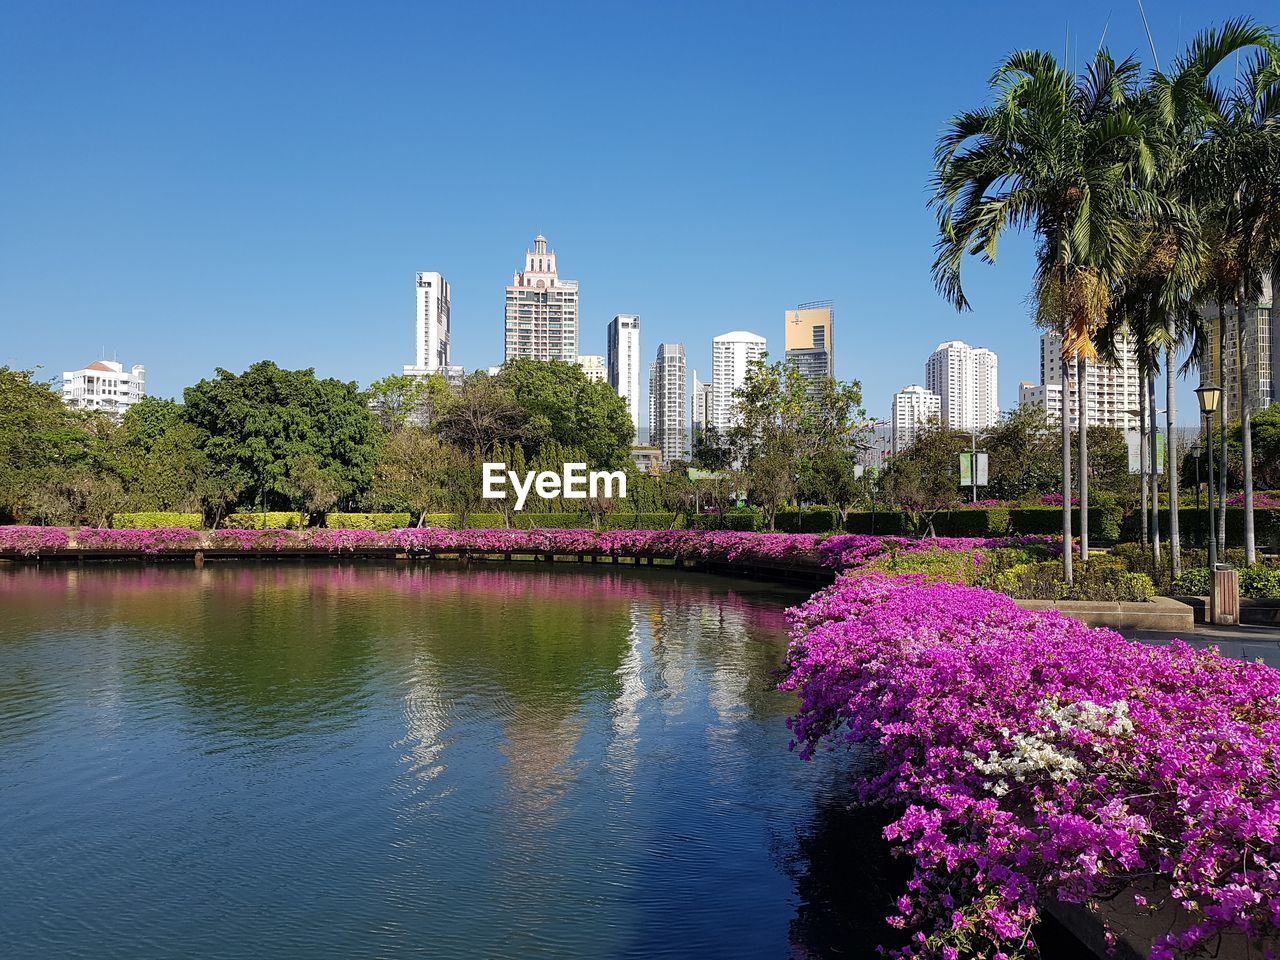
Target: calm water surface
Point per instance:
(364, 761)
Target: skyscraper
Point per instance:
(966, 380)
(810, 339)
(431, 353)
(700, 404)
(542, 309)
(914, 407)
(731, 356)
(1112, 391)
(623, 343)
(1262, 353)
(668, 428)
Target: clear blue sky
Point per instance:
(194, 187)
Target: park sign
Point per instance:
(971, 476)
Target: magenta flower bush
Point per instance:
(32, 541)
(1261, 501)
(1030, 758)
(153, 540)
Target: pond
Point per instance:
(380, 761)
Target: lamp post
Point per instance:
(1210, 396)
(1195, 452)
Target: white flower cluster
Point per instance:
(1034, 755)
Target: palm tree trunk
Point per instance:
(1171, 451)
(1155, 469)
(1083, 456)
(1066, 468)
(1142, 456)
(1246, 439)
(1222, 423)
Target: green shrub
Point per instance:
(744, 520)
(1260, 582)
(271, 520)
(809, 520)
(366, 521)
(154, 519)
(1101, 580)
(882, 523)
(973, 522)
(946, 566)
(639, 521)
(1194, 582)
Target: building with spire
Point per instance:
(542, 309)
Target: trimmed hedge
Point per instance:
(155, 519)
(1191, 524)
(271, 520)
(381, 522)
(555, 521)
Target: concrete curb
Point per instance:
(1162, 614)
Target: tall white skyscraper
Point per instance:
(731, 356)
(668, 425)
(966, 380)
(431, 346)
(623, 349)
(914, 407)
(104, 385)
(542, 309)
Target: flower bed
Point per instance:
(152, 540)
(1031, 759)
(32, 541)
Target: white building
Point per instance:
(542, 309)
(966, 380)
(623, 347)
(1112, 391)
(432, 325)
(731, 356)
(104, 385)
(594, 367)
(668, 426)
(701, 407)
(914, 407)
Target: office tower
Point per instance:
(810, 339)
(623, 349)
(731, 356)
(701, 407)
(104, 385)
(594, 367)
(668, 428)
(965, 379)
(542, 309)
(1262, 351)
(914, 407)
(431, 344)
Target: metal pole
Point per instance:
(1213, 538)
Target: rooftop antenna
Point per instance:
(1147, 26)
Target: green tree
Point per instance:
(565, 407)
(833, 477)
(399, 400)
(483, 413)
(284, 437)
(924, 479)
(1022, 455)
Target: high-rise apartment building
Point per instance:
(104, 385)
(810, 339)
(732, 354)
(431, 343)
(700, 403)
(668, 425)
(1112, 391)
(542, 309)
(966, 380)
(594, 367)
(914, 408)
(623, 343)
(1262, 353)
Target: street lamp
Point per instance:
(1195, 451)
(1210, 397)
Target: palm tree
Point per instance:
(1065, 158)
(1239, 170)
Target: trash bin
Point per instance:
(1224, 603)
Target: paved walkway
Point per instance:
(1246, 642)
